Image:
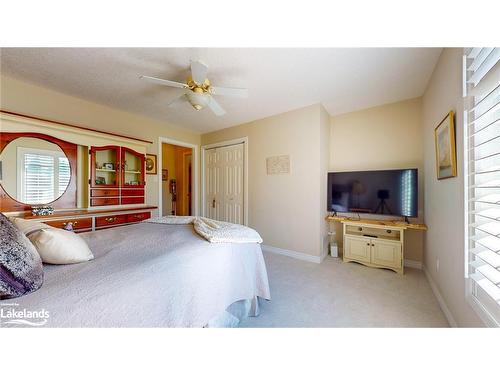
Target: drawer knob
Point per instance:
(110, 219)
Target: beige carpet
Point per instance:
(336, 294)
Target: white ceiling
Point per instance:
(278, 79)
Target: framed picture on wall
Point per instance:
(151, 164)
(164, 174)
(446, 157)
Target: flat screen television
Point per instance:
(389, 192)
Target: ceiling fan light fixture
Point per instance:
(197, 100)
(198, 90)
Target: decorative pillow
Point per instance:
(21, 270)
(59, 246)
(28, 227)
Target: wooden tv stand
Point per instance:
(375, 243)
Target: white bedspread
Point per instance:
(149, 275)
(213, 230)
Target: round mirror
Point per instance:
(34, 171)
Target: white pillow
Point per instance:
(59, 246)
(28, 227)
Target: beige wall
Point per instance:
(383, 137)
(444, 203)
(18, 96)
(285, 208)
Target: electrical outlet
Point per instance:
(437, 264)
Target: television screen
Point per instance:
(390, 192)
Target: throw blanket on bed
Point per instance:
(213, 230)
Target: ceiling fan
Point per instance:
(198, 90)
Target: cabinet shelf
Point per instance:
(122, 185)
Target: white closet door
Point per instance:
(224, 195)
(213, 178)
(232, 183)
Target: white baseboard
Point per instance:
(318, 259)
(413, 264)
(294, 254)
(440, 299)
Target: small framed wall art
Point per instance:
(446, 157)
(151, 164)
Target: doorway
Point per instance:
(177, 180)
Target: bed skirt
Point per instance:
(232, 316)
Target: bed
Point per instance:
(153, 275)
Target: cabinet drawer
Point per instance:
(110, 220)
(104, 193)
(132, 200)
(104, 201)
(80, 223)
(132, 192)
(357, 248)
(140, 216)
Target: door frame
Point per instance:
(231, 142)
(185, 170)
(195, 172)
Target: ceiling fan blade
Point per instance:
(229, 91)
(215, 107)
(180, 99)
(165, 82)
(198, 72)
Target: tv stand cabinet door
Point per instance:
(357, 248)
(387, 253)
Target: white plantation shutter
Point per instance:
(64, 174)
(38, 179)
(483, 178)
(44, 175)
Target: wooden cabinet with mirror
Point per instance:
(72, 169)
(36, 169)
(117, 176)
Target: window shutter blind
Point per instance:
(483, 179)
(63, 175)
(38, 185)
